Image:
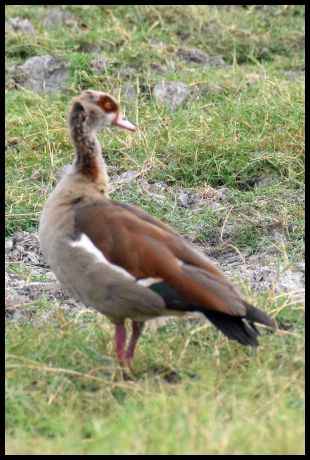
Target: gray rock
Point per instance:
(157, 43)
(19, 25)
(24, 246)
(261, 270)
(292, 282)
(14, 311)
(193, 55)
(264, 51)
(259, 181)
(196, 200)
(263, 181)
(173, 94)
(214, 88)
(99, 65)
(293, 74)
(128, 92)
(124, 177)
(59, 17)
(223, 192)
(183, 199)
(12, 298)
(199, 56)
(51, 290)
(215, 205)
(44, 73)
(216, 61)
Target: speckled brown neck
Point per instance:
(89, 161)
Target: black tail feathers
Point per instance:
(239, 328)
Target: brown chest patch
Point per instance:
(87, 165)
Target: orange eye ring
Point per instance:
(108, 105)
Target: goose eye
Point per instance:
(107, 104)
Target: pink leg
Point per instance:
(120, 340)
(137, 328)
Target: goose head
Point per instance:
(101, 111)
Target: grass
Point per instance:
(67, 397)
(64, 393)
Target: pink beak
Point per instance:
(121, 121)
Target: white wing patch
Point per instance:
(149, 281)
(85, 243)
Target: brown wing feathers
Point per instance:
(146, 247)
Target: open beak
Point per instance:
(121, 121)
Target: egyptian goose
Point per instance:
(122, 261)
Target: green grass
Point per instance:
(226, 400)
(223, 139)
(64, 393)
